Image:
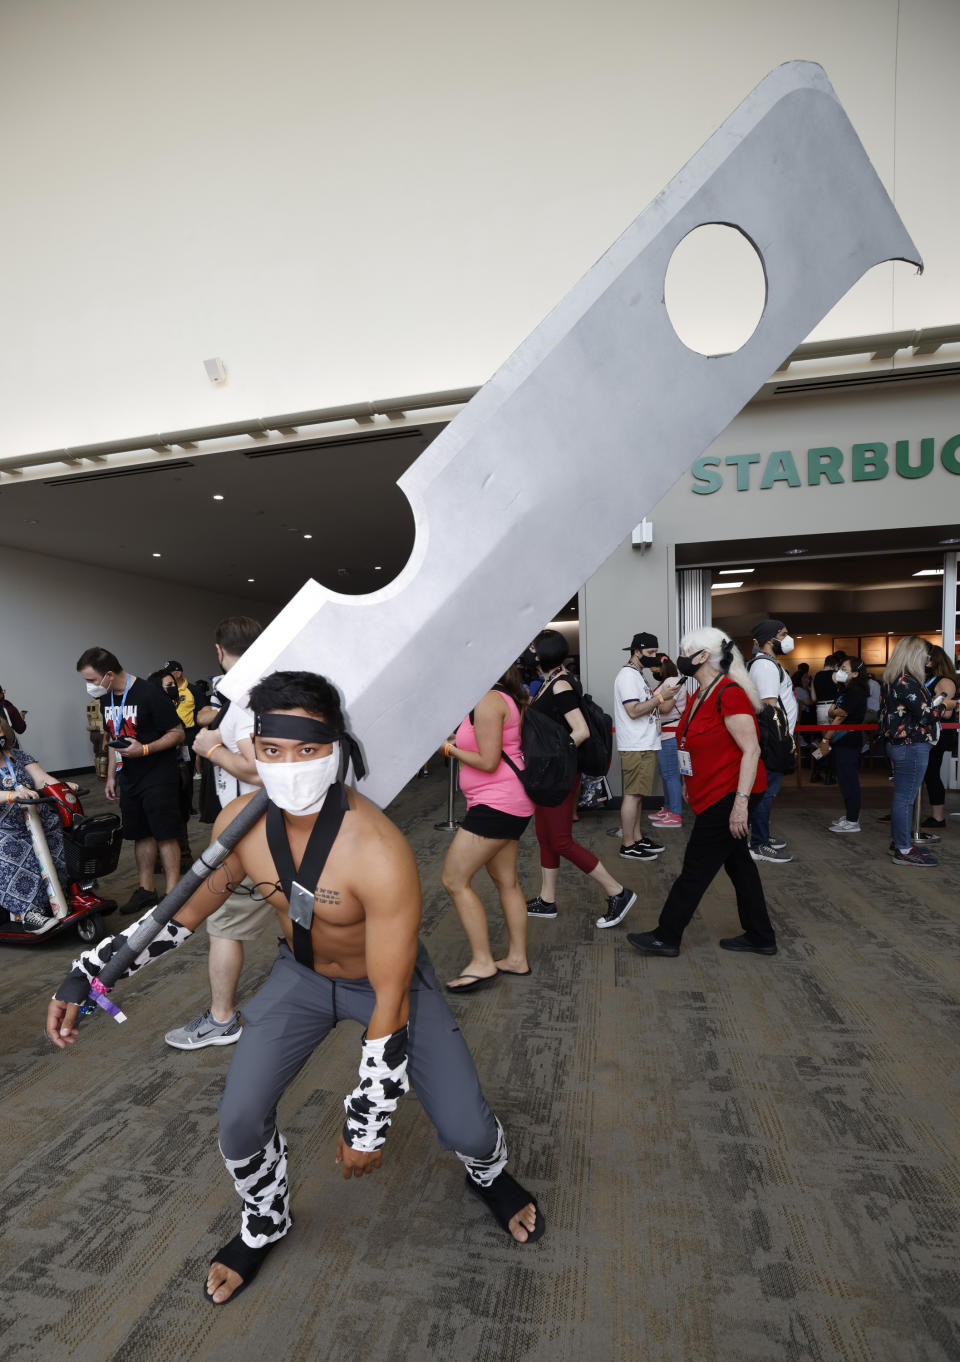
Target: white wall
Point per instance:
(351, 202)
(51, 610)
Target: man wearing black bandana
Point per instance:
(344, 884)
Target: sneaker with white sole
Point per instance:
(636, 852)
(203, 1031)
(844, 825)
(672, 820)
(913, 857)
(769, 853)
(777, 843)
(618, 906)
(539, 907)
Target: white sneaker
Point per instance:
(844, 825)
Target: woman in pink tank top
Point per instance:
(498, 810)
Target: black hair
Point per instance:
(551, 648)
(298, 690)
(100, 659)
(236, 633)
(157, 677)
(858, 672)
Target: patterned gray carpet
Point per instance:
(740, 1158)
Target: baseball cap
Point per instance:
(642, 641)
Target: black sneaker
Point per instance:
(618, 906)
(743, 943)
(932, 822)
(140, 900)
(650, 944)
(538, 907)
(649, 845)
(638, 852)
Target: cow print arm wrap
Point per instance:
(383, 1081)
(76, 986)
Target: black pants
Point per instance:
(711, 846)
(846, 756)
(935, 791)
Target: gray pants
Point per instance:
(284, 1023)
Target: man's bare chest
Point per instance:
(335, 904)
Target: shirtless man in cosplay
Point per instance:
(353, 954)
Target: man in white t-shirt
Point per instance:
(771, 640)
(229, 749)
(636, 720)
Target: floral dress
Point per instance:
(21, 884)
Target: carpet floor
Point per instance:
(741, 1159)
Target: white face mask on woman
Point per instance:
(841, 676)
(300, 787)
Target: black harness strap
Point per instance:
(307, 874)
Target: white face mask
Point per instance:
(300, 787)
(840, 677)
(786, 644)
(97, 692)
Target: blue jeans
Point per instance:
(760, 817)
(909, 761)
(669, 768)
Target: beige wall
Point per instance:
(352, 202)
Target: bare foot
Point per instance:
(471, 972)
(223, 1281)
(513, 965)
(524, 1223)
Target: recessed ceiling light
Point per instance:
(732, 572)
(156, 555)
(793, 551)
(378, 567)
(308, 536)
(929, 572)
(251, 579)
(950, 541)
(725, 586)
(218, 496)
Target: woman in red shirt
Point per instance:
(718, 747)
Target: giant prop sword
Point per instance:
(520, 499)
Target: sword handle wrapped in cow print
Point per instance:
(152, 924)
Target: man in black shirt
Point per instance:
(142, 774)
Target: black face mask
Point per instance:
(687, 667)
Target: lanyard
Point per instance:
(115, 714)
(696, 708)
(299, 895)
(13, 775)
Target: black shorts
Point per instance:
(151, 810)
(486, 822)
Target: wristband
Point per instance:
(446, 749)
(146, 749)
(741, 795)
(213, 749)
(383, 1081)
(87, 967)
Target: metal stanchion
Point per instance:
(451, 824)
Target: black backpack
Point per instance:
(596, 751)
(549, 757)
(777, 751)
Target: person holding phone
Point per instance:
(142, 767)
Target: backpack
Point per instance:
(549, 758)
(777, 750)
(596, 751)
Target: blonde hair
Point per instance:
(725, 656)
(909, 658)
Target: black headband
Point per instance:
(273, 725)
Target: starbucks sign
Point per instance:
(868, 462)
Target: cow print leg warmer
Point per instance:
(484, 1171)
(261, 1183)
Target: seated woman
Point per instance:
(498, 810)
(23, 893)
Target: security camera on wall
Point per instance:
(215, 370)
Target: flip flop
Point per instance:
(517, 973)
(504, 1198)
(480, 981)
(242, 1259)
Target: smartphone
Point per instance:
(119, 742)
(816, 754)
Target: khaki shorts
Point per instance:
(241, 918)
(638, 770)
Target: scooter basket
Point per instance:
(92, 846)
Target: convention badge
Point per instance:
(684, 762)
(301, 906)
(8, 782)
